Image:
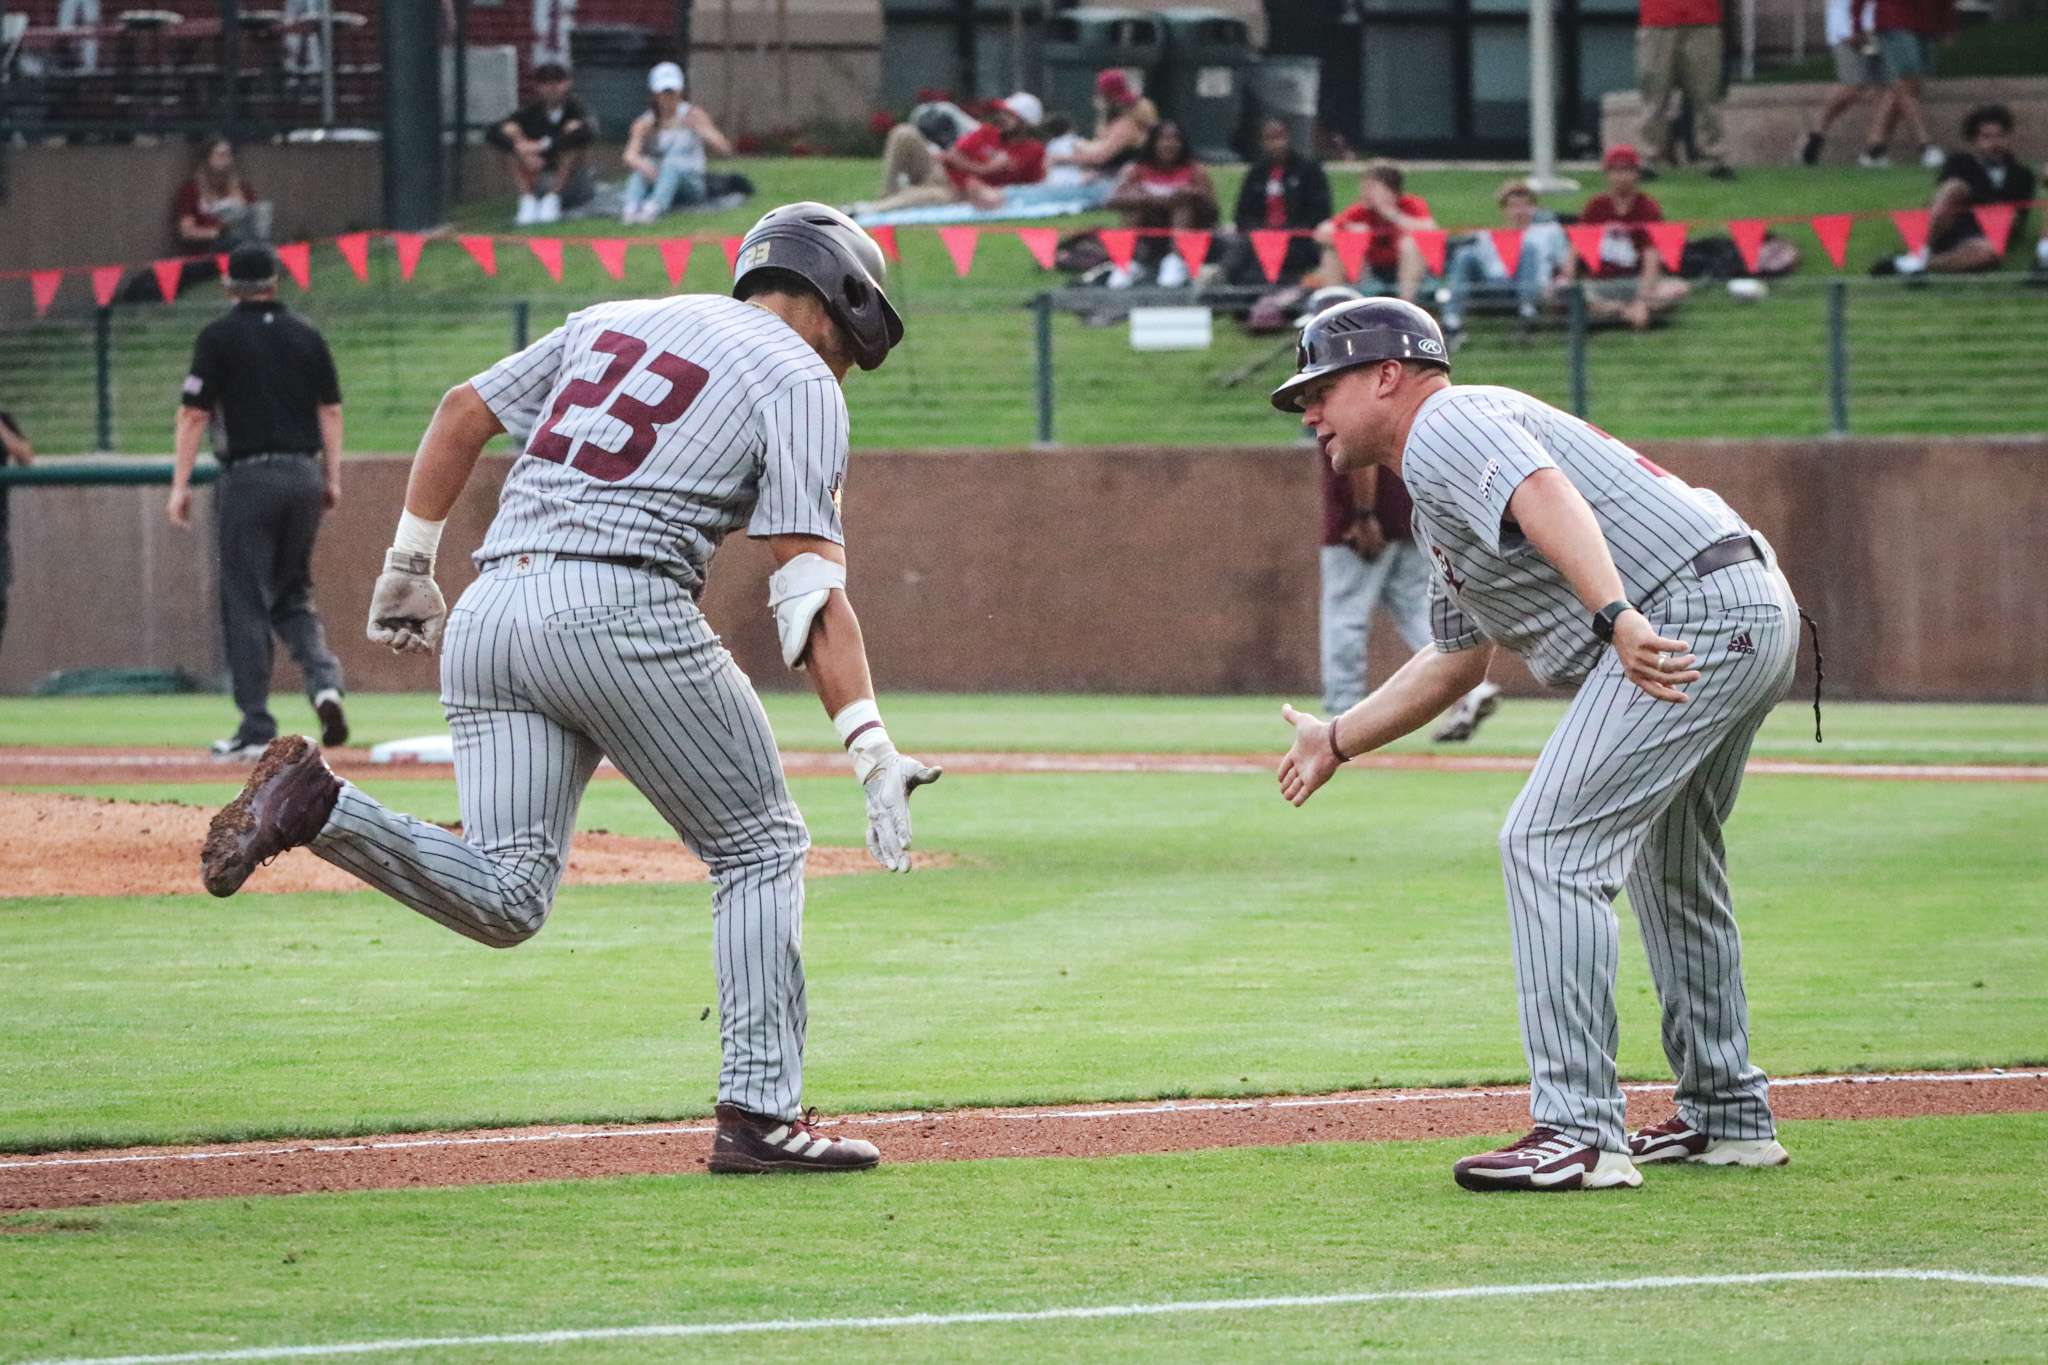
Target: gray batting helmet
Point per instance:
(828, 251)
(1361, 333)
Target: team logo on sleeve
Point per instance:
(192, 385)
(838, 487)
(1486, 476)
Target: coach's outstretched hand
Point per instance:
(889, 778)
(407, 610)
(1311, 762)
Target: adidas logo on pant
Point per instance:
(1742, 644)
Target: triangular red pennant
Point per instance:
(1833, 231)
(960, 246)
(106, 279)
(611, 254)
(1430, 242)
(675, 258)
(484, 251)
(1270, 246)
(1350, 246)
(1121, 244)
(355, 249)
(1748, 235)
(548, 251)
(1507, 244)
(220, 263)
(167, 273)
(732, 253)
(1042, 243)
(297, 258)
(1193, 248)
(1586, 241)
(1669, 239)
(409, 245)
(44, 284)
(1912, 224)
(1996, 220)
(885, 238)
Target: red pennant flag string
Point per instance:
(1121, 244)
(1912, 225)
(106, 279)
(1833, 231)
(44, 284)
(220, 263)
(1586, 241)
(611, 254)
(1669, 239)
(1193, 248)
(1507, 244)
(409, 245)
(1430, 242)
(355, 249)
(960, 246)
(1042, 243)
(1351, 246)
(732, 253)
(1996, 221)
(297, 259)
(1270, 246)
(548, 251)
(1748, 235)
(484, 251)
(885, 238)
(675, 258)
(167, 275)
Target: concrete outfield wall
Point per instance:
(1133, 570)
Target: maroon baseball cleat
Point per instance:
(754, 1144)
(1547, 1160)
(1676, 1140)
(285, 804)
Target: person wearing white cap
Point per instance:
(666, 149)
(976, 167)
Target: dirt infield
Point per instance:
(70, 846)
(74, 767)
(507, 1156)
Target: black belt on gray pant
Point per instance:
(640, 562)
(1723, 554)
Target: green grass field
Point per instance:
(965, 374)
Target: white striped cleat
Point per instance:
(1676, 1140)
(755, 1144)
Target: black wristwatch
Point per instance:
(1604, 619)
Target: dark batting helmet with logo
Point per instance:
(828, 251)
(1361, 333)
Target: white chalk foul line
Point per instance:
(1167, 1107)
(1076, 1314)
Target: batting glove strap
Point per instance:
(415, 562)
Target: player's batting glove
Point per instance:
(889, 778)
(407, 610)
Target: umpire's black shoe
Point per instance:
(753, 1144)
(285, 804)
(333, 724)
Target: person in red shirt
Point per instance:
(998, 153)
(1391, 217)
(1678, 44)
(1629, 282)
(1907, 32)
(1164, 188)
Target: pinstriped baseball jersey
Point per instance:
(1468, 450)
(653, 427)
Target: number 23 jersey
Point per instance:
(654, 427)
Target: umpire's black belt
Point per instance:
(1724, 554)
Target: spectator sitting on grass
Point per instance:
(1988, 173)
(1629, 282)
(665, 151)
(1123, 120)
(1164, 188)
(216, 210)
(1281, 191)
(545, 143)
(976, 167)
(1390, 218)
(1546, 262)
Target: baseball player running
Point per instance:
(650, 429)
(1552, 539)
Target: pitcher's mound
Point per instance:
(71, 846)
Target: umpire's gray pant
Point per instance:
(548, 666)
(1634, 791)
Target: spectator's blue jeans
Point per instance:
(676, 187)
(1475, 263)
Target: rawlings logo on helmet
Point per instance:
(1430, 346)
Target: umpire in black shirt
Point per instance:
(263, 381)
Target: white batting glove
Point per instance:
(889, 778)
(407, 611)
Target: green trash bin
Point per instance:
(1077, 44)
(1202, 85)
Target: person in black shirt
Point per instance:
(263, 380)
(14, 449)
(1281, 190)
(1988, 173)
(545, 143)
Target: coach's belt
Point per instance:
(1724, 554)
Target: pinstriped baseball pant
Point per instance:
(1631, 791)
(547, 668)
